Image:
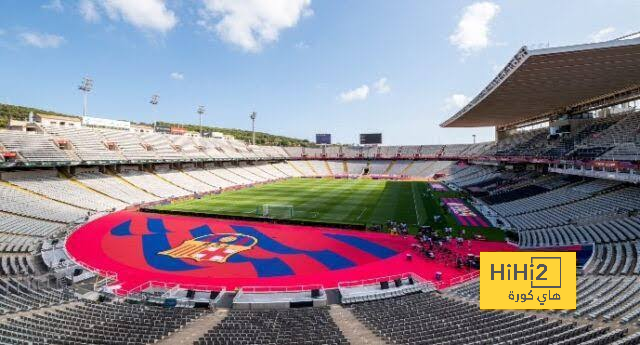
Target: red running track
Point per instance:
(135, 247)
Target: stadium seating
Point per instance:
(303, 167)
(183, 180)
(294, 152)
(32, 147)
(378, 167)
(272, 170)
(130, 144)
(398, 167)
(115, 187)
(319, 168)
(153, 184)
(295, 326)
(336, 167)
(356, 167)
(287, 169)
(23, 226)
(230, 175)
(96, 323)
(47, 183)
(162, 146)
(18, 295)
(427, 318)
(88, 144)
(27, 204)
(207, 176)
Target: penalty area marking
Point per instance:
(361, 213)
(415, 202)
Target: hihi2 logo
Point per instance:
(528, 280)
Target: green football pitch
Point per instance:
(361, 202)
(337, 201)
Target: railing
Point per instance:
(464, 278)
(170, 286)
(378, 280)
(281, 289)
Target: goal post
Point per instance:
(277, 211)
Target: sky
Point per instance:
(305, 66)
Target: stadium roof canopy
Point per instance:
(543, 82)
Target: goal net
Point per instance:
(275, 211)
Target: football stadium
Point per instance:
(164, 232)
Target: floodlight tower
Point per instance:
(474, 138)
(252, 116)
(200, 113)
(154, 102)
(85, 87)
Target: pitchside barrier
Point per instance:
(180, 295)
(280, 297)
(383, 287)
(464, 278)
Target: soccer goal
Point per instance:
(276, 211)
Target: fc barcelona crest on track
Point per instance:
(212, 248)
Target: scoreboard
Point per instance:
(370, 138)
(323, 139)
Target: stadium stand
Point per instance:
(356, 167)
(31, 146)
(320, 168)
(27, 204)
(442, 320)
(17, 295)
(162, 146)
(378, 167)
(183, 180)
(115, 187)
(130, 144)
(96, 323)
(398, 167)
(88, 144)
(288, 169)
(337, 167)
(152, 184)
(295, 326)
(303, 167)
(46, 183)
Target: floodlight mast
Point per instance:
(200, 113)
(85, 87)
(252, 116)
(474, 138)
(154, 102)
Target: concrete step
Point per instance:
(355, 332)
(195, 329)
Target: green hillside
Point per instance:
(17, 112)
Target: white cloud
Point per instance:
(54, 5)
(41, 40)
(177, 76)
(88, 11)
(602, 35)
(250, 24)
(381, 86)
(359, 94)
(456, 102)
(472, 33)
(152, 15)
